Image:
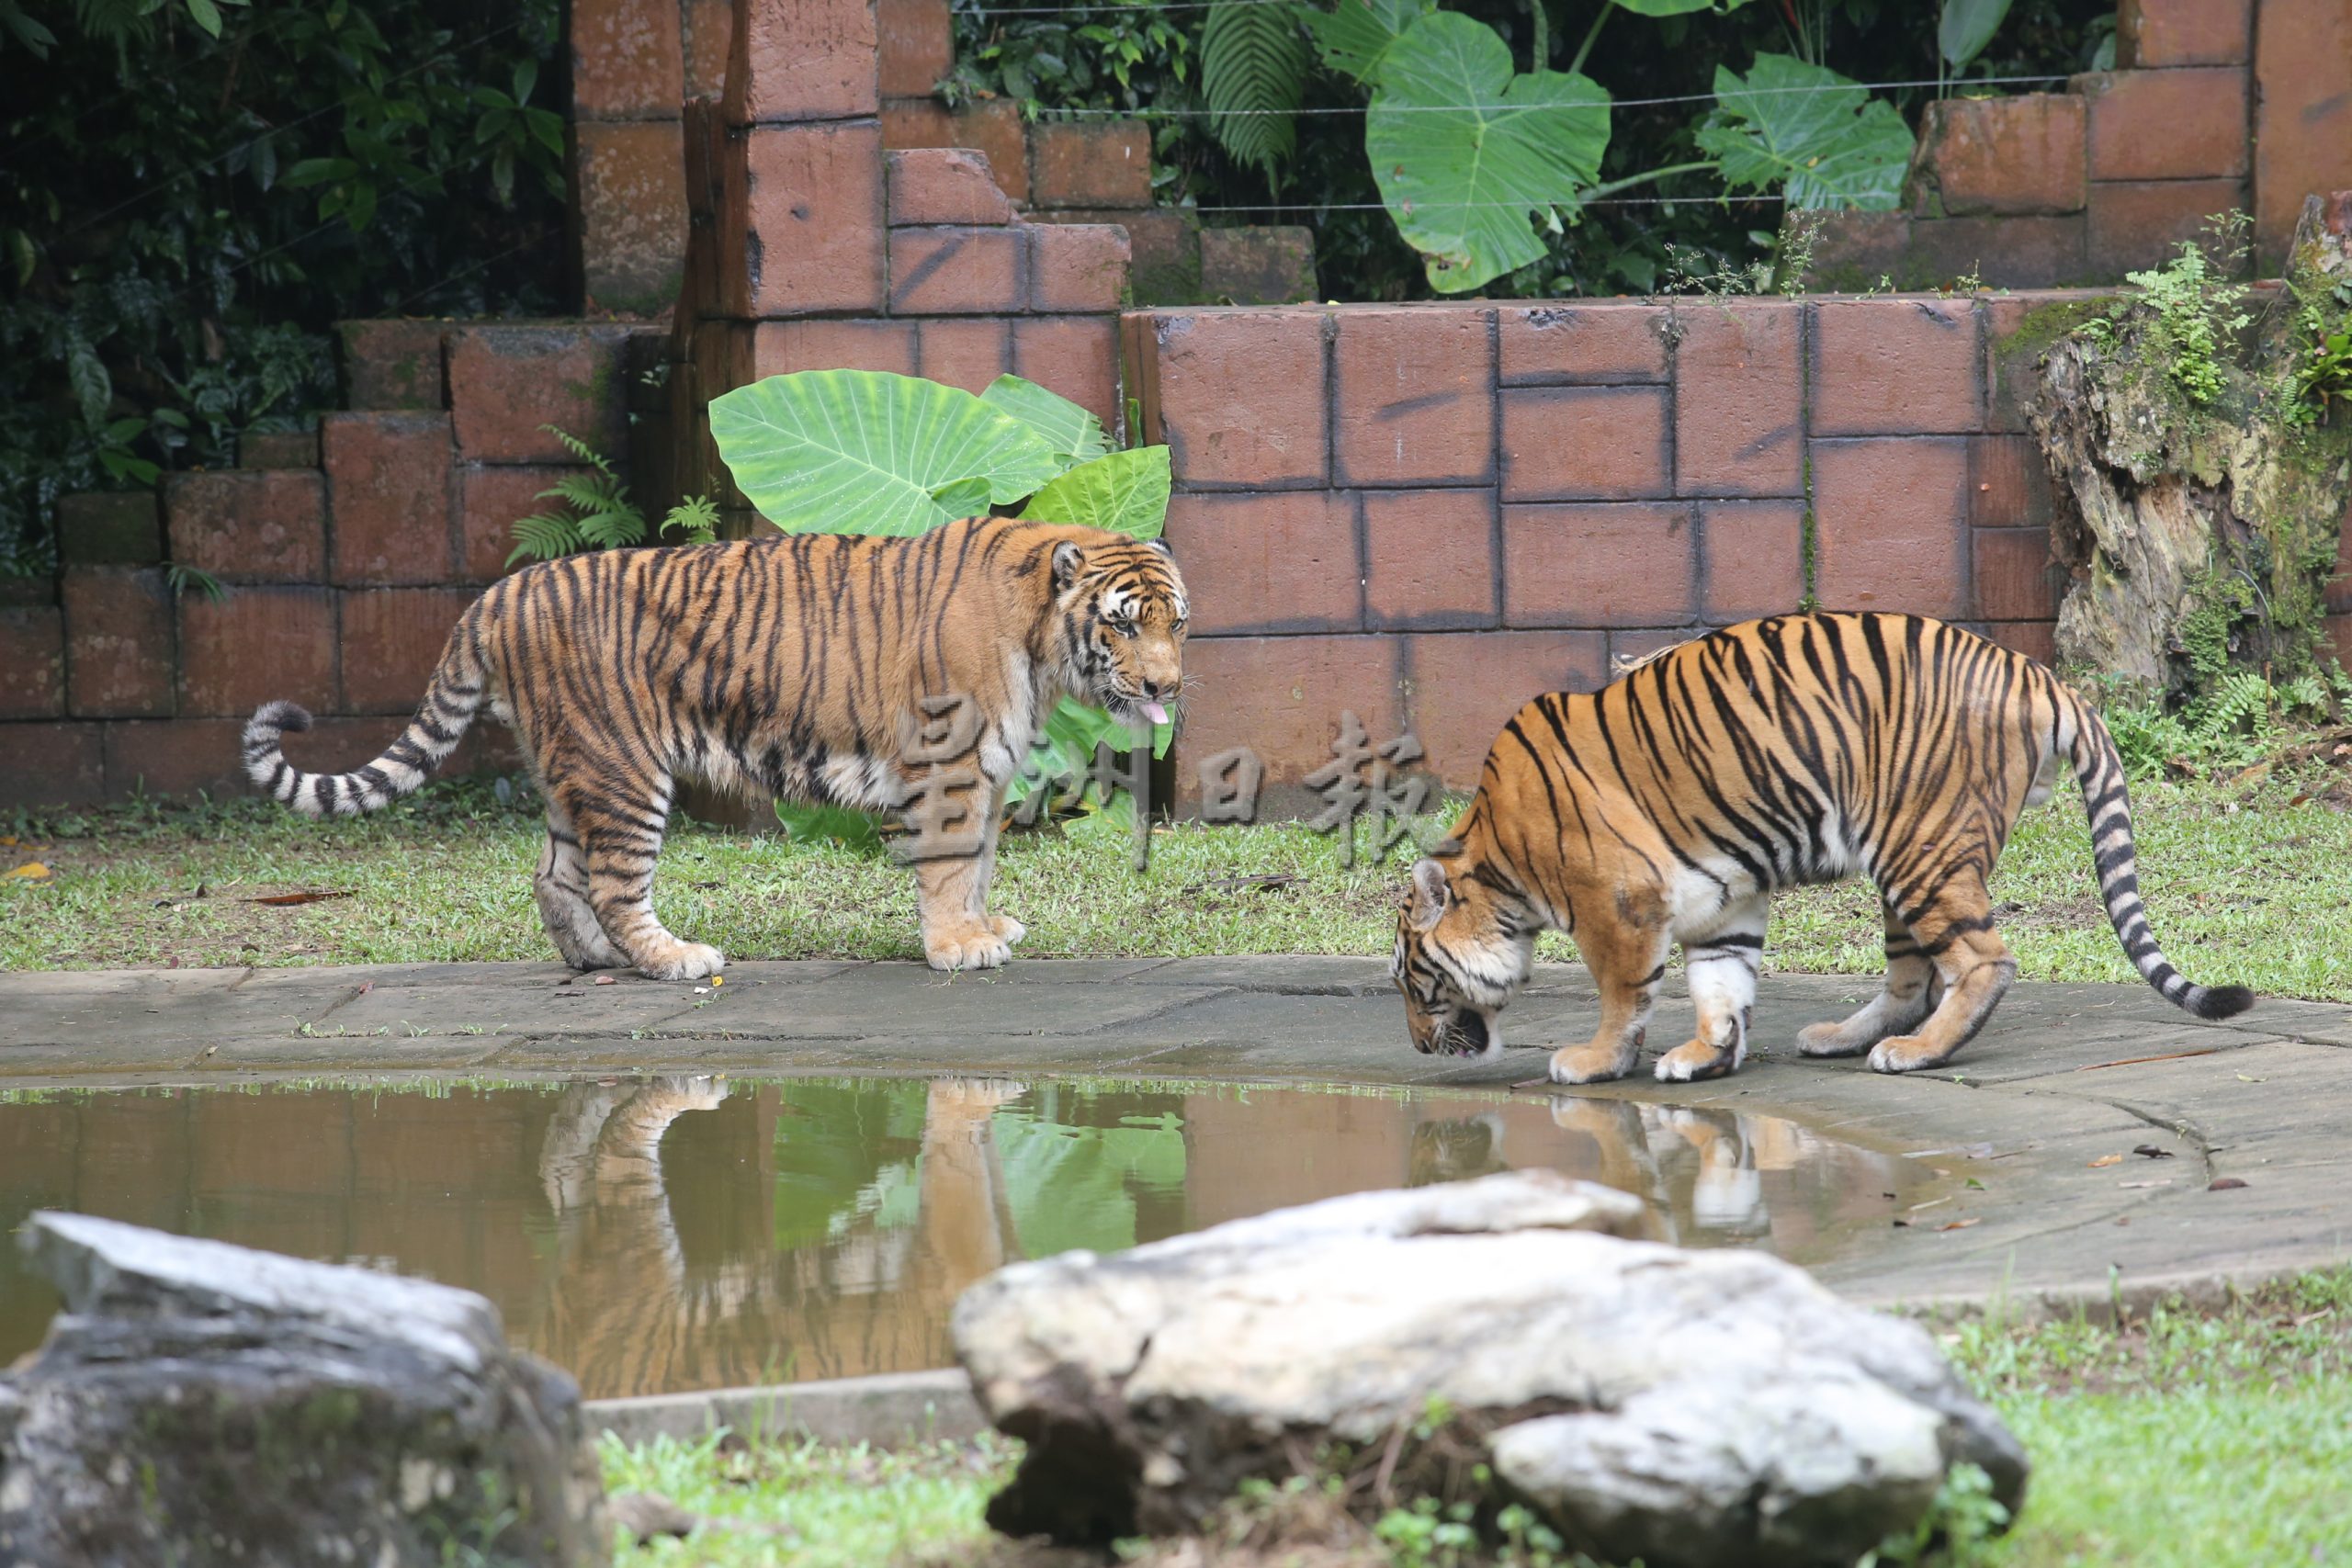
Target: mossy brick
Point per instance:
(2183, 124)
(917, 40)
(930, 185)
(1890, 525)
(256, 645)
(2008, 483)
(1848, 252)
(1091, 162)
(1240, 396)
(51, 763)
(118, 642)
(2154, 33)
(1739, 397)
(1274, 562)
(2023, 251)
(990, 127)
(1262, 264)
(1542, 345)
(1751, 558)
(1586, 444)
(1415, 399)
(965, 352)
(631, 184)
(801, 60)
(392, 639)
(1895, 366)
(392, 363)
(1077, 266)
(1163, 250)
(110, 528)
(2018, 329)
(802, 228)
(1464, 687)
(390, 498)
(2139, 224)
(2000, 155)
(508, 381)
(32, 663)
(246, 525)
(1623, 564)
(1430, 559)
(278, 449)
(957, 272)
(37, 592)
(627, 59)
(1076, 356)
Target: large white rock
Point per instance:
(1685, 1407)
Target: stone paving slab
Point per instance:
(2063, 1077)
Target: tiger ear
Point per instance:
(1067, 559)
(1430, 892)
(1160, 542)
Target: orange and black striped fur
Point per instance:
(1668, 808)
(797, 664)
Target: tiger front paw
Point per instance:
(1007, 930)
(965, 947)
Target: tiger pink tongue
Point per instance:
(1155, 713)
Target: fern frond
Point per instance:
(544, 535)
(584, 494)
(1254, 61)
(579, 449)
(696, 517)
(614, 527)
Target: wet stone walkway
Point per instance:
(2083, 1131)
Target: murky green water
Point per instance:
(677, 1233)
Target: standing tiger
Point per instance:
(808, 665)
(1669, 806)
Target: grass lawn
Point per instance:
(2182, 1440)
(2246, 885)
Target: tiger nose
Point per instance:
(1158, 689)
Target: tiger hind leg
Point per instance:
(1907, 997)
(560, 885)
(1955, 933)
(620, 835)
(1722, 967)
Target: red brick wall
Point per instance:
(1429, 514)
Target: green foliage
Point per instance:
(1126, 492)
(2322, 370)
(597, 513)
(1803, 130)
(1070, 432)
(2241, 718)
(1958, 1530)
(2189, 315)
(1254, 61)
(1355, 36)
(1967, 26)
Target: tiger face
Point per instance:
(1462, 947)
(1122, 613)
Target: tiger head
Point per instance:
(1463, 941)
(1121, 610)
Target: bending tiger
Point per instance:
(1669, 807)
(814, 666)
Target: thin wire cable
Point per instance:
(1451, 206)
(1485, 108)
(462, 274)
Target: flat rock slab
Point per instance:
(2065, 1075)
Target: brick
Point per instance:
(181, 756)
(505, 382)
(1465, 687)
(2000, 155)
(918, 45)
(118, 642)
(2013, 575)
(1077, 266)
(1075, 355)
(2018, 330)
(956, 272)
(990, 127)
(1241, 396)
(2189, 124)
(1890, 525)
(2008, 483)
(268, 526)
(1163, 251)
(1848, 252)
(1969, 254)
(1541, 343)
(51, 764)
(2303, 118)
(931, 186)
(803, 230)
(278, 449)
(968, 354)
(1283, 561)
(1754, 556)
(1737, 399)
(491, 498)
(1414, 400)
(1264, 264)
(392, 497)
(709, 28)
(2154, 33)
(631, 184)
(110, 528)
(1632, 564)
(392, 365)
(2336, 638)
(800, 59)
(1430, 559)
(2037, 640)
(1895, 367)
(257, 645)
(392, 639)
(1089, 162)
(1586, 444)
(2139, 224)
(627, 59)
(779, 348)
(32, 663)
(2339, 582)
(1282, 696)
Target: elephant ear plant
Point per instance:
(868, 452)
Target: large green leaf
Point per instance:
(1818, 135)
(1967, 26)
(1355, 36)
(1254, 62)
(1677, 7)
(1068, 430)
(1124, 491)
(863, 451)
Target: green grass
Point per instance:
(2246, 885)
(2183, 1440)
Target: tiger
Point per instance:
(1669, 807)
(829, 667)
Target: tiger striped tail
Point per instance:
(2099, 770)
(452, 699)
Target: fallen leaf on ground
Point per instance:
(2136, 1186)
(1960, 1224)
(31, 871)
(606, 980)
(2150, 1151)
(2224, 1184)
(310, 897)
(2106, 1160)
(364, 986)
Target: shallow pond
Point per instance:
(660, 1233)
